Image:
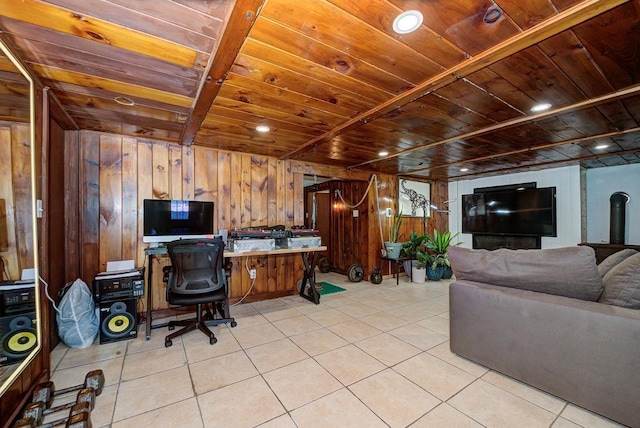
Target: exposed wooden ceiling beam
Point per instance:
(544, 165)
(552, 26)
(239, 24)
(593, 102)
(534, 149)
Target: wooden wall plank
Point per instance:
(175, 172)
(259, 191)
(298, 219)
(245, 216)
(161, 190)
(223, 207)
(145, 191)
(272, 219)
(130, 230)
(110, 176)
(188, 182)
(289, 206)
(89, 203)
(21, 171)
(9, 245)
(281, 217)
(72, 230)
(235, 191)
(160, 180)
(245, 194)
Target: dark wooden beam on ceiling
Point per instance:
(239, 24)
(60, 114)
(593, 102)
(544, 165)
(563, 21)
(534, 149)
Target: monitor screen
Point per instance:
(529, 211)
(166, 220)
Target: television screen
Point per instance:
(530, 211)
(165, 220)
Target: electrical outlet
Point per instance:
(252, 274)
(389, 213)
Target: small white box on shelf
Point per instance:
(247, 245)
(304, 242)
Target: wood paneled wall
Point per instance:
(16, 230)
(111, 176)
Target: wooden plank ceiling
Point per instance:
(336, 85)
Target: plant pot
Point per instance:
(418, 274)
(434, 274)
(393, 249)
(407, 265)
(447, 272)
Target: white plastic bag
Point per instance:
(78, 323)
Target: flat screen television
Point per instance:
(528, 211)
(165, 220)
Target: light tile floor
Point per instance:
(371, 356)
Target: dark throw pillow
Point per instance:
(622, 284)
(570, 272)
(615, 258)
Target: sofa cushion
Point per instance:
(570, 272)
(622, 284)
(615, 258)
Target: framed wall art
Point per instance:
(414, 198)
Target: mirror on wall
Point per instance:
(20, 333)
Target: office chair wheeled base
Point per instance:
(189, 325)
(222, 309)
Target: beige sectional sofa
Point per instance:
(534, 315)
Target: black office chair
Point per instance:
(196, 277)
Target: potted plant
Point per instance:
(392, 246)
(418, 270)
(439, 244)
(410, 250)
(435, 269)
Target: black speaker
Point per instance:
(18, 337)
(118, 320)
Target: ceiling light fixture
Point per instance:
(464, 169)
(540, 107)
(383, 153)
(601, 146)
(124, 101)
(492, 15)
(263, 128)
(407, 22)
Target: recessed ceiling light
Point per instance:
(492, 15)
(263, 128)
(407, 22)
(383, 153)
(464, 169)
(601, 146)
(124, 101)
(541, 107)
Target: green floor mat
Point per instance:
(328, 288)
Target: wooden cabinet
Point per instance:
(605, 250)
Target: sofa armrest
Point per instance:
(584, 352)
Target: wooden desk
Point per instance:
(307, 289)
